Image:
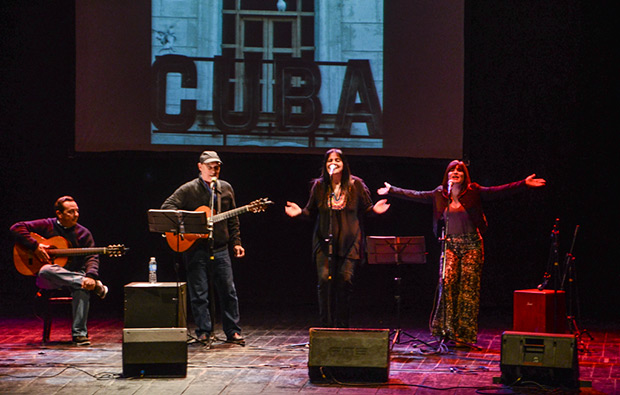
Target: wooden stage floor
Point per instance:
(274, 361)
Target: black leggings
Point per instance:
(341, 290)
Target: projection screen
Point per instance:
(286, 76)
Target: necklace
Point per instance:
(337, 200)
(337, 192)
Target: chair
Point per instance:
(47, 299)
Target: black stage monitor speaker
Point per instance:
(157, 305)
(545, 358)
(155, 352)
(349, 355)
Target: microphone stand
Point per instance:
(570, 274)
(210, 220)
(177, 265)
(554, 257)
(442, 348)
(211, 242)
(553, 252)
(330, 257)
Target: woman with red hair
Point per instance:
(457, 202)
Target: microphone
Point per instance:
(331, 169)
(450, 182)
(543, 285)
(213, 183)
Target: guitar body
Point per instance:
(28, 264)
(182, 242)
(59, 251)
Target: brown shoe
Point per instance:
(81, 341)
(236, 338)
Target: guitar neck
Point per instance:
(76, 251)
(230, 214)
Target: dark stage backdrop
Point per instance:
(539, 95)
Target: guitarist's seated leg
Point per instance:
(54, 277)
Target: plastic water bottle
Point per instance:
(152, 270)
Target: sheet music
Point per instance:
(182, 221)
(388, 249)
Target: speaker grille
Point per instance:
(545, 358)
(349, 354)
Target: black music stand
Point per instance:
(178, 222)
(397, 250)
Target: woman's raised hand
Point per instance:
(533, 182)
(381, 206)
(292, 209)
(384, 190)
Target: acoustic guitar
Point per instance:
(60, 250)
(181, 242)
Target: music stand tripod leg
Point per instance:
(393, 248)
(398, 300)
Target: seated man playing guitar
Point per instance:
(80, 273)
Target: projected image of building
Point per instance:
(270, 73)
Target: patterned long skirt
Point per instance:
(456, 315)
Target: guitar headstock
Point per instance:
(259, 205)
(116, 250)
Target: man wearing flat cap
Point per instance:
(211, 257)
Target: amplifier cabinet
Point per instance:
(155, 305)
(349, 355)
(545, 358)
(539, 311)
(155, 352)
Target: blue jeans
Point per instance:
(54, 277)
(199, 267)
